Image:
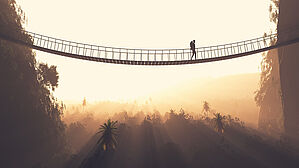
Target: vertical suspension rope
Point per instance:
(99, 52)
(245, 47)
(69, 46)
(127, 56)
(40, 40)
(134, 55)
(234, 48)
(83, 52)
(252, 45)
(258, 44)
(91, 51)
(48, 42)
(227, 50)
(64, 48)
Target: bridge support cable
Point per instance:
(148, 56)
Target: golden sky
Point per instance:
(143, 24)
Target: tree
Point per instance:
(84, 103)
(206, 108)
(30, 118)
(108, 140)
(268, 96)
(219, 122)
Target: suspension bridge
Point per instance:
(149, 56)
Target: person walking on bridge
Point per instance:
(192, 46)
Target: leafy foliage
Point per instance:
(33, 132)
(268, 96)
(206, 108)
(219, 122)
(108, 138)
(182, 141)
(273, 10)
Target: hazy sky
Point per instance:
(143, 24)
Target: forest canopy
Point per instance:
(31, 125)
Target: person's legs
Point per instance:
(193, 54)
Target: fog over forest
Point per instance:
(244, 120)
(232, 95)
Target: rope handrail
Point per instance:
(140, 51)
(133, 56)
(164, 49)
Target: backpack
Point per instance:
(192, 46)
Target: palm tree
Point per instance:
(108, 138)
(219, 122)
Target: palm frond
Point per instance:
(108, 138)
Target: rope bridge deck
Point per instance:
(148, 56)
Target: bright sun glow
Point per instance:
(143, 24)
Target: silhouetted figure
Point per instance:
(192, 46)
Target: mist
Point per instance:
(149, 117)
(233, 95)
